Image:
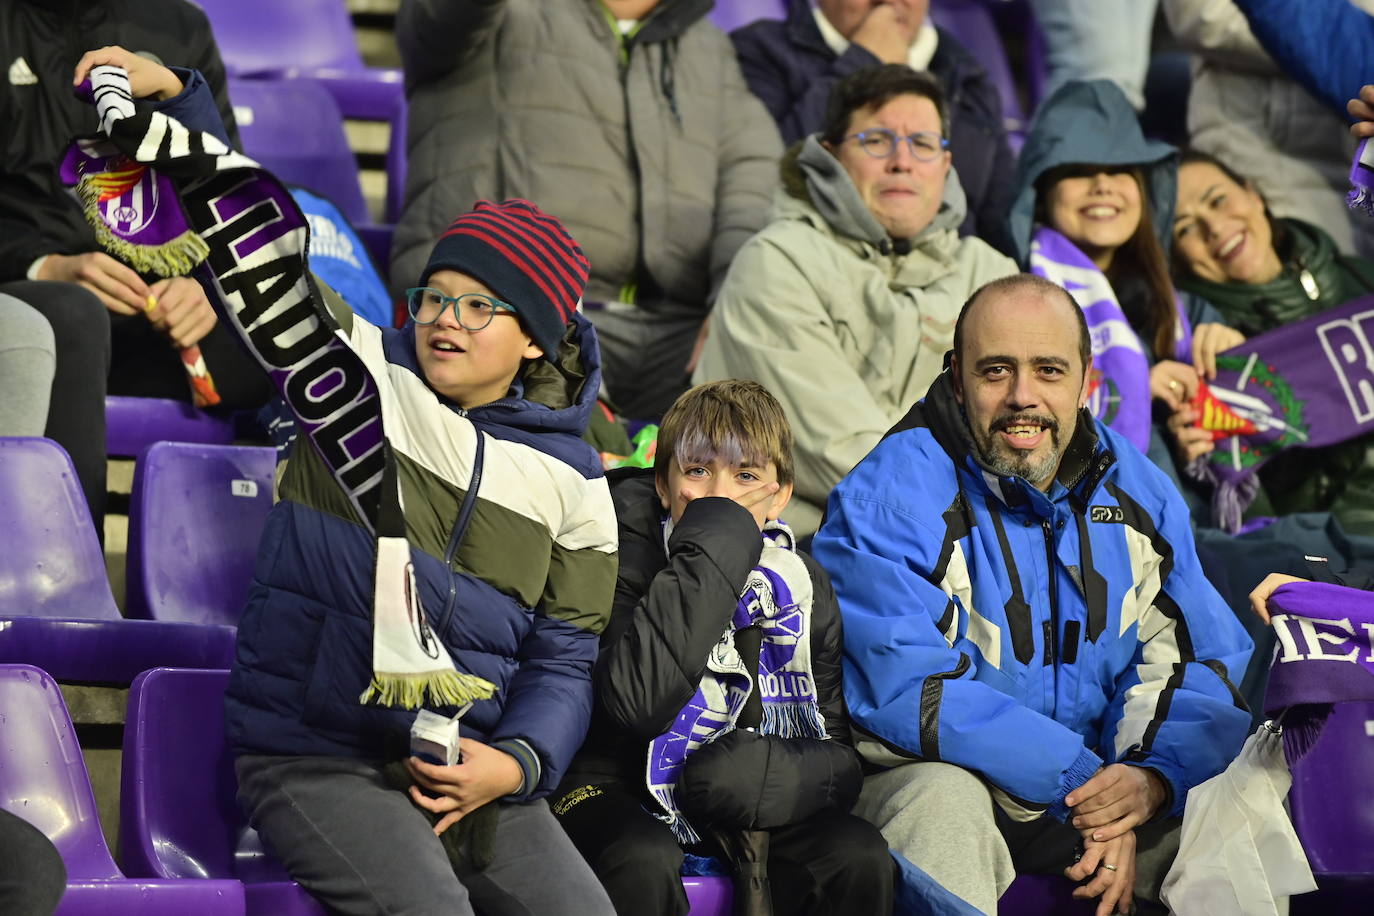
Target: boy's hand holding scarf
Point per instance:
(244, 230)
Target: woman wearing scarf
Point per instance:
(1092, 213)
(1261, 273)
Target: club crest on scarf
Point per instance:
(1257, 417)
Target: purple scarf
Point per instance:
(1119, 386)
(1304, 385)
(1325, 655)
(1361, 196)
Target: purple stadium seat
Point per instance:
(56, 609)
(195, 517)
(131, 424)
(1042, 895)
(708, 896)
(729, 15)
(294, 128)
(972, 23)
(43, 779)
(178, 817)
(1332, 804)
(269, 39)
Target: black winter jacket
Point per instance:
(670, 609)
(40, 43)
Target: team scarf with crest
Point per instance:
(778, 597)
(242, 227)
(1361, 196)
(133, 212)
(1304, 385)
(1119, 385)
(1324, 654)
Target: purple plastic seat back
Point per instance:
(294, 128)
(43, 776)
(268, 36)
(131, 424)
(177, 813)
(51, 564)
(708, 896)
(1042, 895)
(728, 15)
(1332, 799)
(195, 517)
(972, 24)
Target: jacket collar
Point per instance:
(1085, 463)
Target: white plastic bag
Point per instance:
(1238, 853)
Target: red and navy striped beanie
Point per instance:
(525, 257)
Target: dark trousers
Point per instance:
(32, 876)
(832, 864)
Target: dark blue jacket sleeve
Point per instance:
(1326, 45)
(194, 106)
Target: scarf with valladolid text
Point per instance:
(777, 597)
(256, 275)
(1119, 386)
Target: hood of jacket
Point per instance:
(1090, 123)
(812, 175)
(548, 396)
(1083, 463)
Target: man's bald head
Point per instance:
(1025, 285)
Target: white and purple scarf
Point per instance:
(256, 275)
(778, 597)
(1119, 386)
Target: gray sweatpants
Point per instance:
(942, 818)
(27, 362)
(363, 848)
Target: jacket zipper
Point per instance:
(1052, 625)
(460, 528)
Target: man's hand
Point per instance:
(1362, 110)
(146, 77)
(1210, 339)
(1259, 598)
(1116, 800)
(884, 35)
(180, 309)
(117, 285)
(485, 774)
(1114, 881)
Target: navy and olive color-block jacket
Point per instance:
(519, 598)
(1029, 636)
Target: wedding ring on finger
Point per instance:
(1109, 867)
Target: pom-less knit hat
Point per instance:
(525, 257)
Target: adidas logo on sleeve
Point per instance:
(21, 74)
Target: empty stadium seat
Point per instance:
(1332, 804)
(295, 130)
(43, 779)
(178, 818)
(729, 15)
(195, 517)
(56, 608)
(131, 424)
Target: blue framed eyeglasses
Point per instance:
(474, 311)
(881, 143)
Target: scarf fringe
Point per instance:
(1361, 199)
(174, 258)
(443, 688)
(793, 720)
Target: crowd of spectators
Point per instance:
(976, 377)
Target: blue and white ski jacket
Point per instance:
(1029, 636)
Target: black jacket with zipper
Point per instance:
(670, 609)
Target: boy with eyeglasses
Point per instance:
(509, 573)
(720, 726)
